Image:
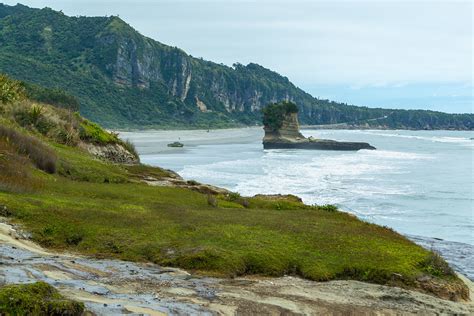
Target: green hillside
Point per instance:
(124, 79)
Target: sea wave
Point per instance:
(438, 139)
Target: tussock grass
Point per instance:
(60, 125)
(130, 146)
(42, 156)
(15, 173)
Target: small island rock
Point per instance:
(282, 132)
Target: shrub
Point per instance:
(66, 135)
(32, 116)
(435, 265)
(42, 156)
(74, 239)
(10, 90)
(274, 114)
(211, 200)
(237, 198)
(130, 147)
(328, 208)
(36, 112)
(234, 196)
(245, 203)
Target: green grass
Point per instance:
(176, 227)
(171, 226)
(77, 165)
(36, 299)
(94, 133)
(101, 209)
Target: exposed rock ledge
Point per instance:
(113, 287)
(115, 153)
(282, 132)
(174, 180)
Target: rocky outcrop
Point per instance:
(279, 197)
(174, 180)
(139, 62)
(288, 136)
(113, 287)
(115, 153)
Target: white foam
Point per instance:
(324, 179)
(439, 139)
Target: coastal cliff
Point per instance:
(282, 132)
(124, 79)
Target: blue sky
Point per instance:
(404, 54)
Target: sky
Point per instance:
(402, 54)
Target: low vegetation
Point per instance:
(15, 175)
(94, 133)
(10, 90)
(274, 114)
(101, 209)
(36, 299)
(56, 97)
(40, 154)
(58, 123)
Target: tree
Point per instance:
(274, 114)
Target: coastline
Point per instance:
(457, 252)
(380, 128)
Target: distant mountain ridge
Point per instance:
(124, 79)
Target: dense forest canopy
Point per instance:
(274, 114)
(123, 79)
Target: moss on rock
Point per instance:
(36, 299)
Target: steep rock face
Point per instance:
(115, 153)
(137, 62)
(288, 132)
(124, 79)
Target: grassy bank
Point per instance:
(100, 209)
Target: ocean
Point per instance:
(419, 183)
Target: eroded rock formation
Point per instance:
(282, 131)
(115, 153)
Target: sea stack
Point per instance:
(282, 131)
